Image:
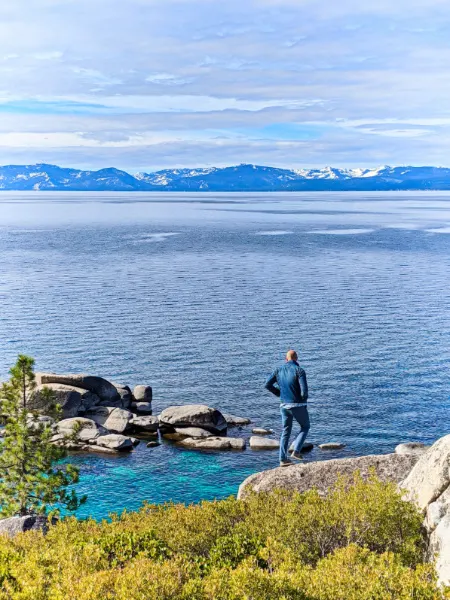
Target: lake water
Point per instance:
(201, 295)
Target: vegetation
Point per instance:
(361, 542)
(29, 481)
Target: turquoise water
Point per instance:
(200, 296)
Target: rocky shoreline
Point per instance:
(101, 416)
(109, 418)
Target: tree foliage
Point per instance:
(361, 542)
(31, 481)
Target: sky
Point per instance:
(143, 85)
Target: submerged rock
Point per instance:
(194, 415)
(153, 444)
(332, 446)
(324, 474)
(307, 447)
(262, 431)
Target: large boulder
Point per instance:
(439, 549)
(194, 415)
(125, 397)
(116, 442)
(143, 393)
(143, 423)
(431, 476)
(104, 389)
(14, 525)
(428, 485)
(324, 474)
(113, 419)
(142, 408)
(213, 443)
(69, 398)
(79, 430)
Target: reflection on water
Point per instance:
(200, 296)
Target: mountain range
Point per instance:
(241, 178)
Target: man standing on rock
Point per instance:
(293, 393)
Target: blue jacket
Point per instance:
(292, 385)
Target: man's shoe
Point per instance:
(296, 455)
(285, 463)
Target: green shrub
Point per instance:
(361, 542)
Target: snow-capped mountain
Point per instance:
(241, 178)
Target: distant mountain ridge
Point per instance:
(241, 178)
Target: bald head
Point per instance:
(291, 355)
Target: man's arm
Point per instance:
(303, 385)
(270, 384)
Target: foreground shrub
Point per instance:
(362, 542)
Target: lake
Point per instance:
(200, 296)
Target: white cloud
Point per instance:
(200, 81)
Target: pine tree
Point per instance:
(31, 480)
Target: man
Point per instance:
(293, 393)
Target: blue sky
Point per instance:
(148, 84)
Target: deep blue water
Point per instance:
(201, 295)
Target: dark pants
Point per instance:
(289, 412)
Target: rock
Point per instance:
(437, 510)
(35, 421)
(153, 444)
(143, 393)
(237, 443)
(88, 432)
(14, 525)
(233, 421)
(307, 447)
(428, 485)
(182, 433)
(332, 446)
(98, 450)
(262, 431)
(194, 415)
(112, 419)
(324, 474)
(143, 423)
(143, 408)
(439, 549)
(263, 443)
(411, 448)
(68, 397)
(125, 397)
(114, 441)
(104, 389)
(431, 475)
(194, 432)
(213, 443)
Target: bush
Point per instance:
(361, 542)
